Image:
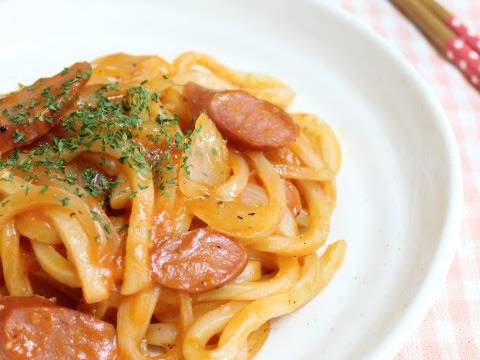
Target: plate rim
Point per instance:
(442, 259)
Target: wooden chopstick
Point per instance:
(426, 21)
(437, 9)
(448, 35)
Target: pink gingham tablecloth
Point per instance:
(451, 329)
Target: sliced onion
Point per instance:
(302, 218)
(236, 184)
(253, 195)
(125, 68)
(207, 159)
(288, 225)
(233, 217)
(203, 78)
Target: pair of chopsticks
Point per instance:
(450, 36)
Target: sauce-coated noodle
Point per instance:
(184, 221)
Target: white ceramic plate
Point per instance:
(400, 186)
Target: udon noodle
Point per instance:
(127, 169)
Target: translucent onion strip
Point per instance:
(253, 195)
(203, 78)
(232, 188)
(206, 160)
(302, 218)
(162, 334)
(127, 69)
(235, 219)
(288, 226)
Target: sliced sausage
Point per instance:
(29, 113)
(243, 119)
(10, 303)
(35, 328)
(198, 260)
(294, 201)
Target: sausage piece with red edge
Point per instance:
(197, 261)
(243, 119)
(35, 328)
(29, 113)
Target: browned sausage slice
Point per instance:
(198, 260)
(35, 328)
(29, 113)
(242, 118)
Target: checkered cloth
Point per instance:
(451, 330)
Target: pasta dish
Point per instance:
(156, 210)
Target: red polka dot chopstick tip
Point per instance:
(456, 41)
(466, 59)
(455, 24)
